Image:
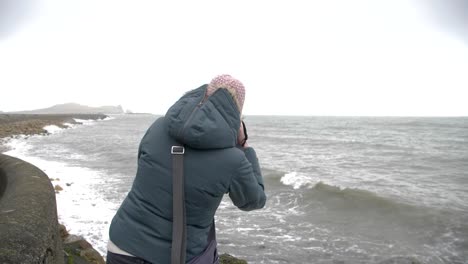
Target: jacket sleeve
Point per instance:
(247, 191)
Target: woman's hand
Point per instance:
(242, 136)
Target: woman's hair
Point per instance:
(234, 86)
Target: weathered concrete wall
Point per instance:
(28, 215)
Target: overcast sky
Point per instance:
(294, 57)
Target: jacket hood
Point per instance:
(209, 124)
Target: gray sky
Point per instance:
(363, 57)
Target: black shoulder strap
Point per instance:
(179, 229)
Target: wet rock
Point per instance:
(228, 259)
(63, 232)
(79, 251)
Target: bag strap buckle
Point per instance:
(177, 150)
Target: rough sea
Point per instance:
(340, 189)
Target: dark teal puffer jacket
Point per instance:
(213, 166)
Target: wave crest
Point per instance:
(297, 180)
(357, 199)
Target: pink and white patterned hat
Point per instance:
(234, 86)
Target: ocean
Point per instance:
(340, 189)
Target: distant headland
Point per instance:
(74, 108)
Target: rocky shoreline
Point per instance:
(31, 124)
(12, 125)
(76, 249)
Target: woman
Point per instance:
(217, 160)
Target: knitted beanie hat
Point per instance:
(234, 86)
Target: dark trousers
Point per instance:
(113, 258)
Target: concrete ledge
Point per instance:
(28, 215)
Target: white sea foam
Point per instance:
(52, 129)
(84, 121)
(297, 180)
(18, 146)
(70, 125)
